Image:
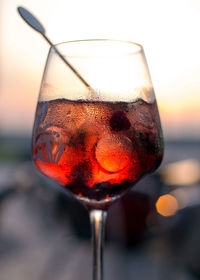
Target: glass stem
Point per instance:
(97, 218)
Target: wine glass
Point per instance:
(97, 138)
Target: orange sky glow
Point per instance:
(167, 30)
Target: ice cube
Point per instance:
(64, 114)
(114, 152)
(51, 141)
(97, 115)
(142, 116)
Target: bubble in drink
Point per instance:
(114, 152)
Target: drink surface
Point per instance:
(96, 150)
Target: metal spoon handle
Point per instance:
(32, 21)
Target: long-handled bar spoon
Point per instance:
(31, 20)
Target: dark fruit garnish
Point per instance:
(119, 121)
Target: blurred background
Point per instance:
(153, 232)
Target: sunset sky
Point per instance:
(168, 31)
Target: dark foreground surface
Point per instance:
(45, 234)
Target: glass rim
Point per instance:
(133, 52)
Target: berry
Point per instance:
(119, 121)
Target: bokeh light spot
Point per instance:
(167, 205)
